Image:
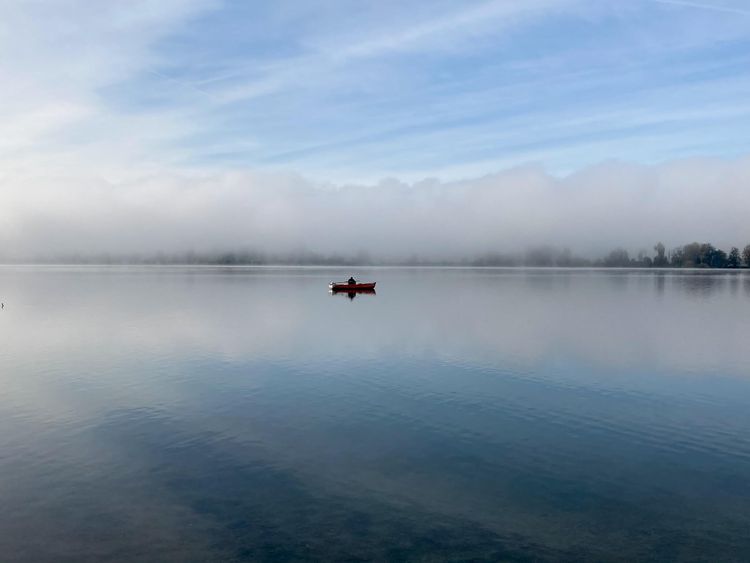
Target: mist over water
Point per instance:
(190, 414)
(590, 212)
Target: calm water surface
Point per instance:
(209, 414)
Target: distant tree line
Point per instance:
(693, 255)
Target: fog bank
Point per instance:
(590, 212)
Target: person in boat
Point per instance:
(352, 281)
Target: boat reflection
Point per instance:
(352, 293)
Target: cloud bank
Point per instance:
(591, 211)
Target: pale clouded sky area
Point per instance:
(456, 126)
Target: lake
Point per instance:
(246, 414)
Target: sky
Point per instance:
(437, 127)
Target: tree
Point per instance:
(697, 255)
(660, 260)
(719, 259)
(746, 255)
(733, 260)
(691, 255)
(677, 257)
(618, 258)
(713, 257)
(644, 260)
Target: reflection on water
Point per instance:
(352, 293)
(176, 414)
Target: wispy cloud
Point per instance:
(705, 6)
(382, 90)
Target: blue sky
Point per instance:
(180, 103)
(357, 91)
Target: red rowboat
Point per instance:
(344, 286)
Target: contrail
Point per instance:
(711, 7)
(183, 84)
(208, 95)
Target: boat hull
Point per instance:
(351, 286)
